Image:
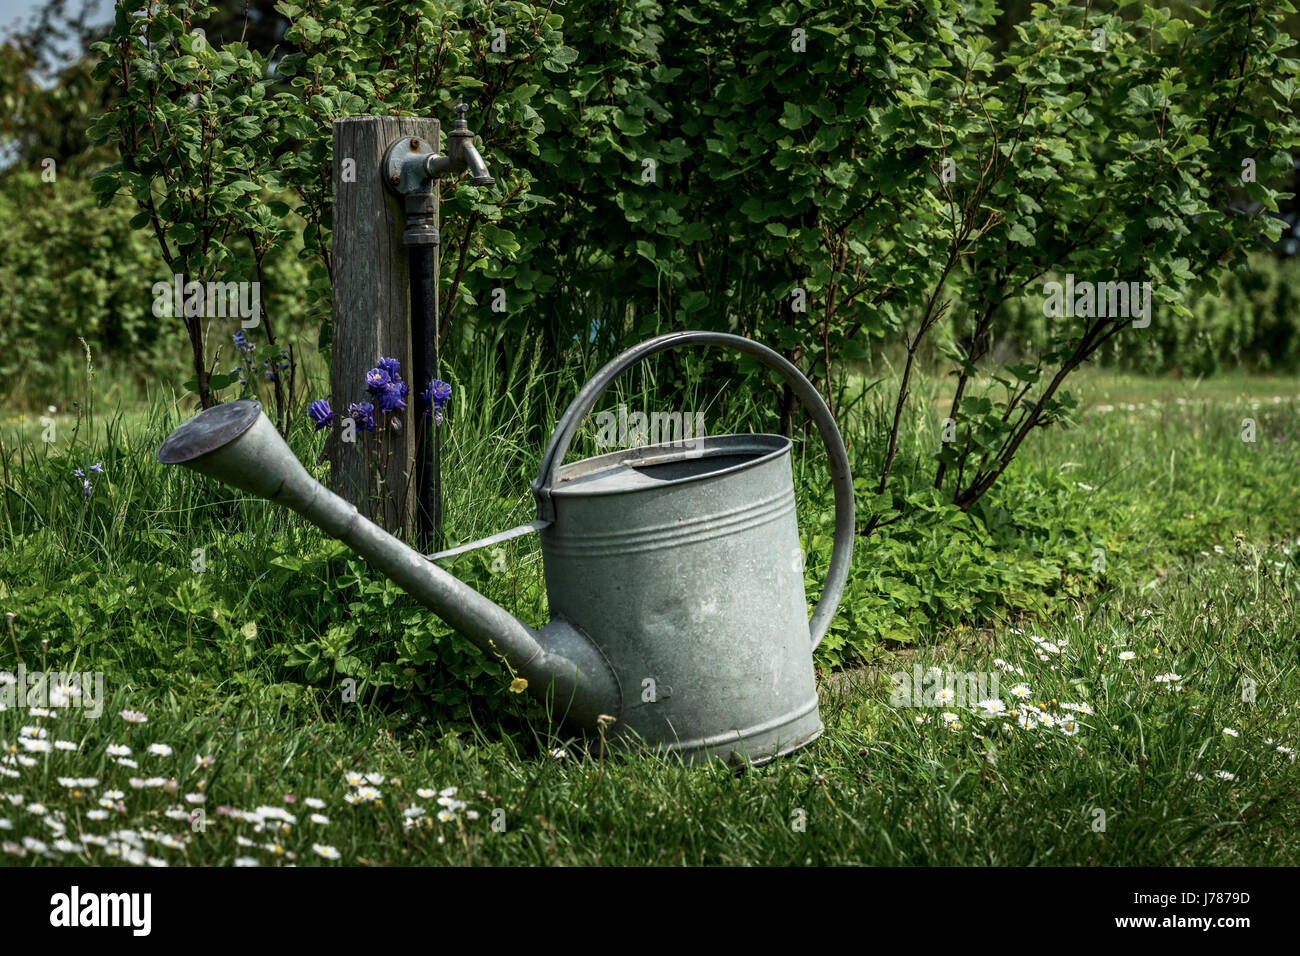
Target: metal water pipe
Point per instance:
(411, 167)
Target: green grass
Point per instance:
(247, 663)
(879, 788)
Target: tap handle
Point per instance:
(460, 109)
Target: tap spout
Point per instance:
(462, 156)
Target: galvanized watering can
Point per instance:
(673, 571)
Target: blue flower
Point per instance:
(85, 484)
(435, 396)
(364, 415)
(392, 398)
(78, 473)
(320, 412)
(97, 467)
(377, 380)
(391, 367)
(241, 340)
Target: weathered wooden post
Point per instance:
(372, 313)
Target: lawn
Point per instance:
(1147, 701)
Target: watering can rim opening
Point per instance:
(765, 448)
(209, 430)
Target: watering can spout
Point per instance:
(236, 444)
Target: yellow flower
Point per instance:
(518, 685)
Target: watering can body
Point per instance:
(674, 572)
(684, 566)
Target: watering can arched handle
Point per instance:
(845, 530)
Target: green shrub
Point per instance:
(71, 271)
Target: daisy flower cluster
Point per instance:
(1023, 704)
(83, 821)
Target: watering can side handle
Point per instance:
(842, 480)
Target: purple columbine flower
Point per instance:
(377, 380)
(320, 412)
(364, 415)
(392, 398)
(391, 367)
(435, 396)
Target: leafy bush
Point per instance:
(1252, 323)
(812, 179)
(74, 271)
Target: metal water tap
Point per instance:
(461, 155)
(411, 164)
